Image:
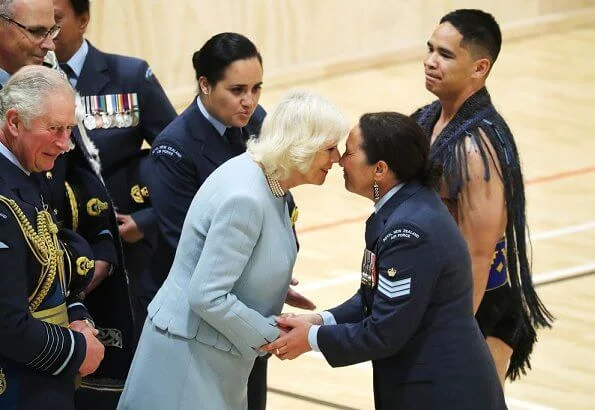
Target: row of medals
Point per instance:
(117, 114)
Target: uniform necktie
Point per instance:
(72, 77)
(236, 142)
(371, 234)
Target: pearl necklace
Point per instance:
(275, 186)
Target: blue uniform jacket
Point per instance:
(121, 156)
(415, 319)
(183, 156)
(119, 148)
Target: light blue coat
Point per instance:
(218, 304)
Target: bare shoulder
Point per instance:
(478, 158)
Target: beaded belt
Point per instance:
(499, 268)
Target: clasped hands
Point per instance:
(293, 340)
(94, 349)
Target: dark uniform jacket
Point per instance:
(121, 158)
(120, 148)
(413, 315)
(183, 156)
(80, 200)
(39, 356)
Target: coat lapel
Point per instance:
(24, 187)
(94, 75)
(214, 148)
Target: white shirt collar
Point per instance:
(219, 126)
(387, 196)
(10, 156)
(4, 76)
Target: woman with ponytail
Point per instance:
(412, 315)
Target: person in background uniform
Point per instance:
(412, 316)
(218, 303)
(73, 189)
(209, 132)
(483, 184)
(127, 95)
(46, 335)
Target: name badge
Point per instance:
(369, 273)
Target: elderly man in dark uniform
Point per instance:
(46, 334)
(27, 30)
(74, 191)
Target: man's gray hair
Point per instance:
(6, 7)
(301, 125)
(27, 90)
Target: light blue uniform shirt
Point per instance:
(219, 126)
(77, 61)
(4, 76)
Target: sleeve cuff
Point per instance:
(313, 338)
(78, 311)
(146, 220)
(274, 330)
(104, 250)
(327, 318)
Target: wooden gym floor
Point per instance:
(545, 88)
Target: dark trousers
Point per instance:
(139, 306)
(257, 385)
(87, 399)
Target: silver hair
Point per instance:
(301, 125)
(27, 90)
(6, 7)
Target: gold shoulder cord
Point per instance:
(45, 247)
(74, 210)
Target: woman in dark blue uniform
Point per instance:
(412, 316)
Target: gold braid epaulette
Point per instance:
(45, 247)
(74, 210)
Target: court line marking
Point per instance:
(538, 279)
(562, 274)
(529, 182)
(309, 399)
(525, 405)
(560, 175)
(554, 233)
(510, 401)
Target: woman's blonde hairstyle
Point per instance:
(301, 125)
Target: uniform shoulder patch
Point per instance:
(150, 76)
(166, 150)
(402, 232)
